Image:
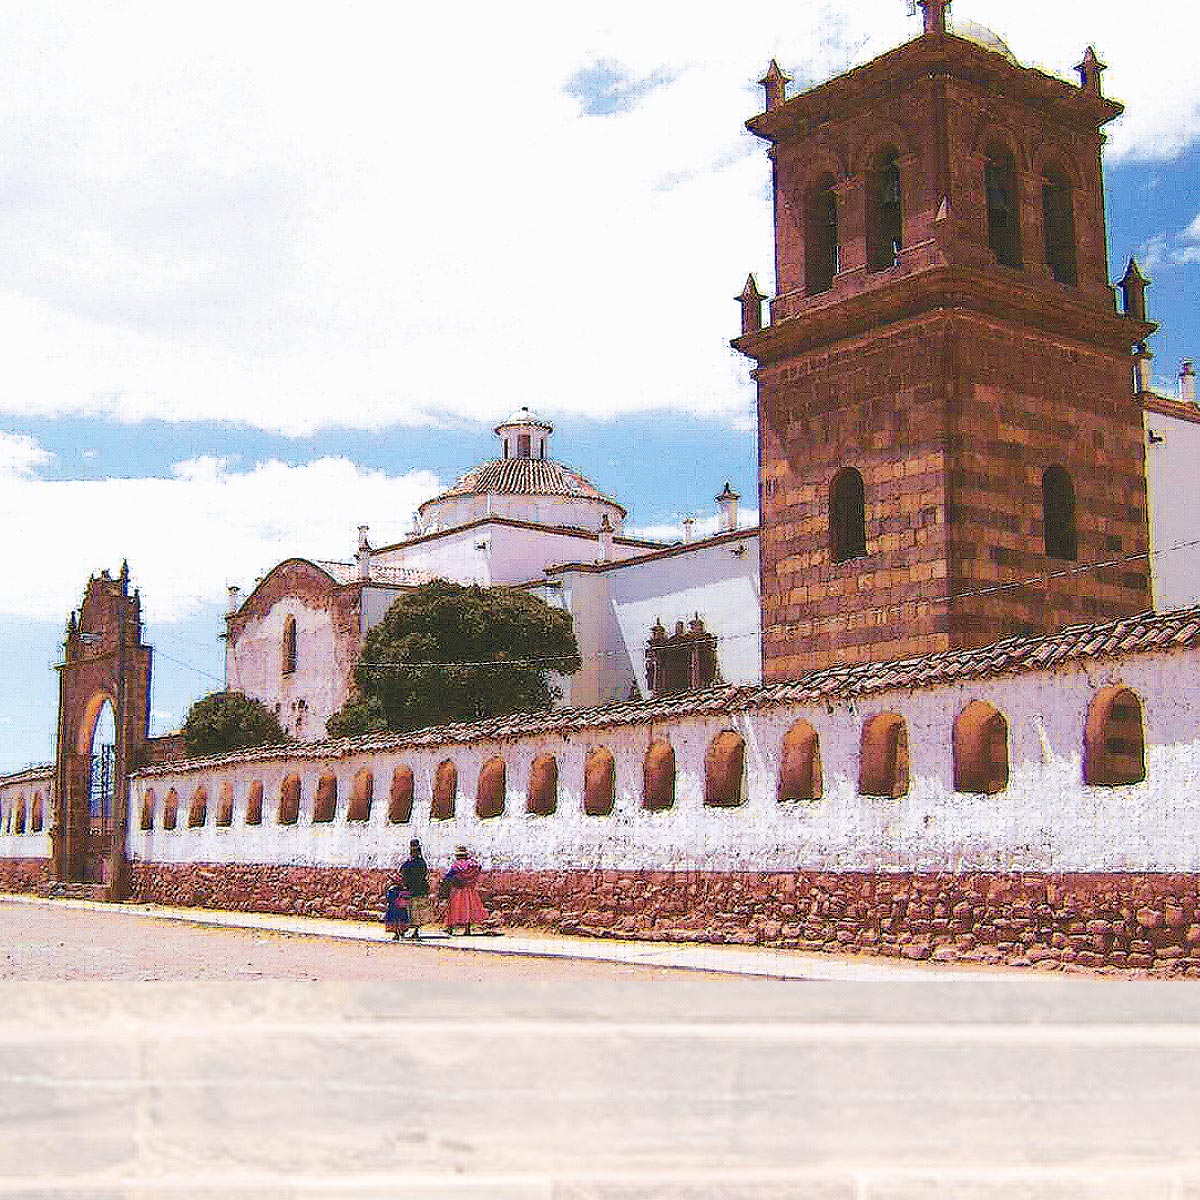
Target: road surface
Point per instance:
(205, 1064)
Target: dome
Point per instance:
(522, 477)
(982, 36)
(522, 484)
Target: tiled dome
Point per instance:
(523, 477)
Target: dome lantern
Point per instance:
(524, 435)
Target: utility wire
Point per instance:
(548, 661)
(1031, 581)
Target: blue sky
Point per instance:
(258, 289)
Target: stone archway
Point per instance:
(103, 724)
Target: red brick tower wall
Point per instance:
(950, 379)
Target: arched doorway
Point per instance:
(101, 791)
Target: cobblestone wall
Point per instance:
(24, 874)
(1143, 922)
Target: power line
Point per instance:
(1031, 581)
(548, 661)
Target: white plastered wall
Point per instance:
(307, 697)
(1172, 462)
(1046, 820)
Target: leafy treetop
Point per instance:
(448, 652)
(225, 721)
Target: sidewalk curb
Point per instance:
(751, 962)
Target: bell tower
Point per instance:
(950, 450)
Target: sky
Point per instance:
(271, 271)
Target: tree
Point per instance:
(225, 721)
(445, 652)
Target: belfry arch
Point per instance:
(103, 725)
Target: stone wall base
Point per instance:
(1128, 921)
(24, 874)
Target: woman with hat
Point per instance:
(415, 873)
(466, 905)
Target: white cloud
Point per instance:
(21, 456)
(189, 536)
(705, 526)
(269, 214)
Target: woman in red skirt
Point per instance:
(466, 906)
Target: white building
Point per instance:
(649, 617)
(1172, 459)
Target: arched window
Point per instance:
(658, 777)
(1058, 515)
(599, 782)
(362, 792)
(1003, 206)
(980, 749)
(171, 810)
(1058, 227)
(847, 516)
(289, 800)
(725, 770)
(883, 768)
(543, 786)
(490, 791)
(325, 801)
(821, 237)
(885, 217)
(198, 808)
(225, 805)
(1114, 741)
(20, 819)
(254, 803)
(400, 796)
(289, 644)
(800, 764)
(445, 791)
(148, 801)
(35, 813)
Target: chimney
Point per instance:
(1143, 374)
(1187, 382)
(606, 539)
(689, 530)
(364, 553)
(235, 598)
(727, 506)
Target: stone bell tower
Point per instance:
(950, 451)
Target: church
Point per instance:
(941, 702)
(947, 396)
(649, 617)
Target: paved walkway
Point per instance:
(759, 961)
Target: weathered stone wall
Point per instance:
(24, 874)
(1140, 922)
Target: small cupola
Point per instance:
(524, 435)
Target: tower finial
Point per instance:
(1133, 291)
(751, 301)
(774, 84)
(1089, 71)
(935, 15)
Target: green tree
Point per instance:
(225, 721)
(446, 652)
